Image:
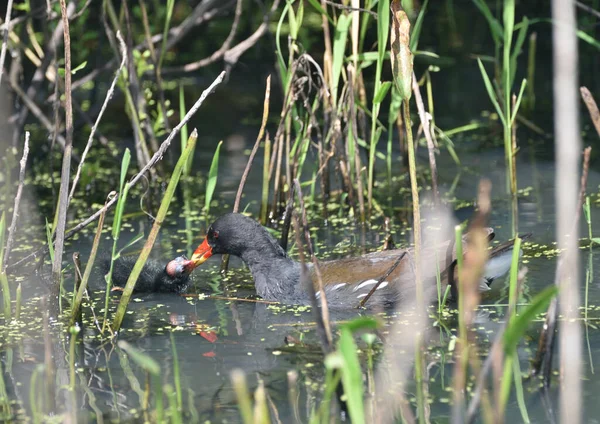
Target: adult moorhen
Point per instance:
(346, 281)
(155, 277)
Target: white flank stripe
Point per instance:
(364, 284)
(382, 285)
(362, 295)
(338, 286)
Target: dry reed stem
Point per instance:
(109, 95)
(323, 330)
(427, 131)
(261, 132)
(592, 107)
(568, 147)
(474, 262)
(324, 307)
(155, 65)
(15, 215)
(495, 360)
(39, 74)
(543, 359)
(81, 290)
(63, 197)
(5, 37)
(155, 158)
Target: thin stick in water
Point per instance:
(15, 215)
(63, 200)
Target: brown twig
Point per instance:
(468, 298)
(5, 37)
(587, 9)
(109, 95)
(203, 12)
(63, 196)
(219, 53)
(229, 298)
(37, 112)
(15, 215)
(381, 279)
(155, 158)
(430, 145)
(324, 316)
(592, 107)
(232, 55)
(261, 132)
(75, 308)
(287, 219)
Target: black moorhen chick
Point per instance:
(155, 277)
(346, 281)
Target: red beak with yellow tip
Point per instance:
(202, 253)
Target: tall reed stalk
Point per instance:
(116, 231)
(160, 216)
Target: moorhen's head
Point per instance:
(154, 277)
(176, 275)
(237, 235)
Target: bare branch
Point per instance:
(15, 215)
(155, 158)
(5, 37)
(109, 95)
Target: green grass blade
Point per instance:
(140, 358)
(213, 173)
(416, 30)
(495, 26)
(318, 8)
(170, 6)
(3, 236)
(339, 49)
(351, 376)
(518, 102)
(522, 35)
(490, 90)
(514, 332)
(283, 70)
(382, 92)
(160, 217)
(514, 272)
(123, 190)
(176, 372)
(130, 243)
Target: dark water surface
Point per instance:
(212, 337)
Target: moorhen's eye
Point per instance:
(216, 234)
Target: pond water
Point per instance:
(201, 340)
(212, 337)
